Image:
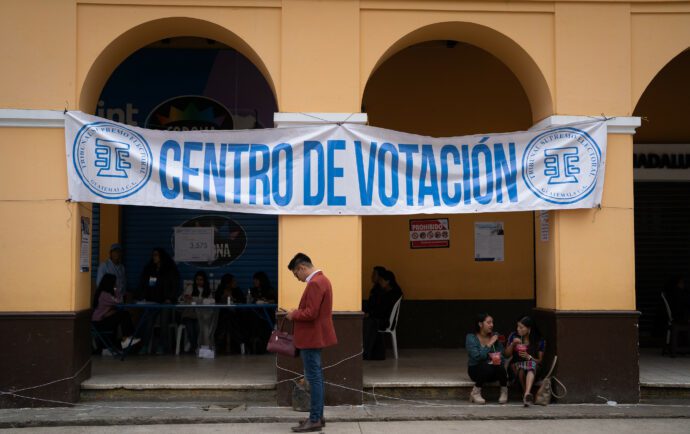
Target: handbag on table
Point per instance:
(282, 342)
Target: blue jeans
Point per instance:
(311, 358)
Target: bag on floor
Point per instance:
(545, 391)
(301, 396)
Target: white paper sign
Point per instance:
(194, 244)
(544, 225)
(85, 252)
(488, 241)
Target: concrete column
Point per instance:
(334, 243)
(586, 281)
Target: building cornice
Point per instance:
(617, 125)
(21, 118)
(285, 120)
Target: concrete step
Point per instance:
(171, 394)
(372, 393)
(432, 393)
(664, 391)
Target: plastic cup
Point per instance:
(495, 358)
(520, 347)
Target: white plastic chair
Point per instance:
(672, 330)
(393, 325)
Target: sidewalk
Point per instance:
(147, 413)
(568, 426)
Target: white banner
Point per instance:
(335, 169)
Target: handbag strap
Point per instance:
(553, 365)
(553, 389)
(281, 323)
(549, 377)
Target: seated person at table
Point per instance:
(262, 290)
(159, 283)
(229, 333)
(106, 316)
(208, 318)
(379, 315)
(228, 287)
(199, 290)
(114, 266)
(526, 349)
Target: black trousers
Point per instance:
(486, 373)
(110, 323)
(372, 341)
(230, 332)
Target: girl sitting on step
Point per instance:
(526, 349)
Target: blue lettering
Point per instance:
(238, 149)
(484, 199)
(393, 198)
(275, 159)
(259, 174)
(502, 169)
(215, 170)
(409, 151)
(309, 147)
(428, 165)
(334, 172)
(447, 198)
(169, 193)
(466, 174)
(365, 184)
(188, 170)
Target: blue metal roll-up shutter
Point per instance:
(145, 228)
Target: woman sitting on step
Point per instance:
(485, 359)
(526, 350)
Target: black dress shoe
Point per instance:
(308, 426)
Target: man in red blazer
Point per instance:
(313, 331)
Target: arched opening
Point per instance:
(524, 68)
(153, 31)
(445, 89)
(187, 83)
(450, 87)
(662, 205)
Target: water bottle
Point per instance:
(250, 299)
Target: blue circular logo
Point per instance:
(111, 160)
(561, 165)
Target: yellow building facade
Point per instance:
(432, 67)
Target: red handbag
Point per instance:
(281, 342)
